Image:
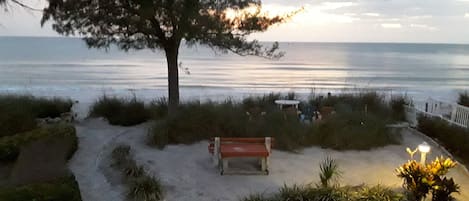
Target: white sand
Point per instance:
(187, 173)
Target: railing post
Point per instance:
(453, 113)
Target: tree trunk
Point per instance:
(172, 52)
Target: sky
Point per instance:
(411, 21)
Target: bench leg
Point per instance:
(263, 164)
(224, 165)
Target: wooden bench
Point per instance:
(222, 149)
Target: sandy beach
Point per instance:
(187, 173)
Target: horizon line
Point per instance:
(268, 41)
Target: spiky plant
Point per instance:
(146, 188)
(329, 172)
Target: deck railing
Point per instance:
(451, 112)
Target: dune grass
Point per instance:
(463, 98)
(18, 113)
(120, 111)
(350, 128)
(454, 138)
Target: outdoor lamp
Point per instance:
(423, 148)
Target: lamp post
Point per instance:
(423, 148)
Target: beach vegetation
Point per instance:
(141, 186)
(10, 146)
(347, 129)
(120, 111)
(463, 98)
(454, 138)
(221, 25)
(18, 113)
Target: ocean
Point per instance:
(65, 65)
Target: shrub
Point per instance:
(463, 98)
(65, 189)
(10, 145)
(18, 113)
(120, 111)
(452, 137)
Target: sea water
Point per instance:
(67, 66)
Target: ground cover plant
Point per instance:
(454, 138)
(10, 145)
(63, 189)
(141, 186)
(120, 111)
(18, 113)
(351, 127)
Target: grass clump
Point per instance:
(120, 111)
(141, 186)
(354, 131)
(463, 98)
(10, 145)
(64, 189)
(454, 138)
(18, 113)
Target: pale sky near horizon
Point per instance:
(433, 21)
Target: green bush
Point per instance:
(120, 111)
(10, 145)
(18, 113)
(453, 138)
(463, 98)
(65, 189)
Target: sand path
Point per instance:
(187, 173)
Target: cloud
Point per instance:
(391, 26)
(372, 14)
(466, 15)
(336, 5)
(423, 26)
